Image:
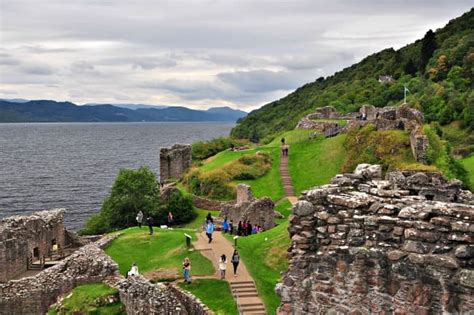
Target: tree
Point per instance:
(428, 47)
(182, 208)
(410, 67)
(132, 191)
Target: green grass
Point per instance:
(468, 164)
(341, 122)
(285, 208)
(198, 222)
(215, 294)
(164, 252)
(90, 299)
(291, 137)
(264, 255)
(222, 158)
(315, 162)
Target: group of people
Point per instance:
(244, 228)
(149, 220)
(284, 147)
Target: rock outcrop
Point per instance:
(365, 245)
(175, 161)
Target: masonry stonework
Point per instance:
(175, 161)
(24, 239)
(364, 245)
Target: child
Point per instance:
(223, 266)
(186, 270)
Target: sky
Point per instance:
(196, 53)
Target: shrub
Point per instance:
(182, 208)
(216, 185)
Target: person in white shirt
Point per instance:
(133, 271)
(223, 266)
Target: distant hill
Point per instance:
(52, 111)
(438, 70)
(130, 106)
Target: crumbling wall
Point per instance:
(34, 295)
(256, 211)
(27, 238)
(363, 245)
(142, 297)
(419, 145)
(175, 161)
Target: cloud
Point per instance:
(197, 53)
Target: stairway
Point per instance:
(246, 295)
(285, 177)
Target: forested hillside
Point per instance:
(438, 70)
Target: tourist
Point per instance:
(209, 217)
(260, 229)
(149, 220)
(133, 271)
(239, 229)
(225, 225)
(235, 261)
(249, 229)
(139, 218)
(170, 218)
(209, 230)
(223, 266)
(254, 229)
(231, 227)
(187, 270)
(282, 141)
(244, 228)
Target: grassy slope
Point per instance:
(264, 255)
(199, 221)
(215, 294)
(315, 162)
(83, 301)
(468, 164)
(164, 250)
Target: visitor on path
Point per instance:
(225, 226)
(231, 227)
(235, 261)
(170, 218)
(223, 266)
(187, 270)
(209, 217)
(139, 218)
(209, 230)
(282, 141)
(133, 271)
(239, 229)
(149, 220)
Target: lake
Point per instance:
(73, 165)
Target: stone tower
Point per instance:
(175, 161)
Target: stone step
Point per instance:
(259, 308)
(242, 286)
(241, 282)
(243, 295)
(244, 290)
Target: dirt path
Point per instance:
(242, 285)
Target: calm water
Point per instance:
(73, 165)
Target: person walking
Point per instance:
(149, 220)
(170, 218)
(209, 230)
(225, 225)
(209, 217)
(239, 229)
(187, 270)
(235, 261)
(223, 266)
(139, 218)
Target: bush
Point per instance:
(215, 185)
(182, 208)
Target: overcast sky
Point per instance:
(200, 53)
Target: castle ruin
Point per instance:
(175, 161)
(25, 240)
(365, 245)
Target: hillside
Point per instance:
(438, 70)
(51, 111)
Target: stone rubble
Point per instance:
(364, 245)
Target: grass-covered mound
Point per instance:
(215, 294)
(158, 256)
(264, 255)
(90, 299)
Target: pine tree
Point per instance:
(428, 46)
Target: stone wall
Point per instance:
(256, 211)
(419, 145)
(205, 203)
(363, 245)
(175, 161)
(27, 238)
(34, 295)
(142, 297)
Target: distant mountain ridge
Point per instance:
(52, 111)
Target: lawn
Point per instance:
(90, 299)
(468, 164)
(215, 294)
(222, 158)
(264, 255)
(315, 162)
(199, 221)
(284, 207)
(159, 256)
(341, 122)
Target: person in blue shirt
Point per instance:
(209, 230)
(225, 225)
